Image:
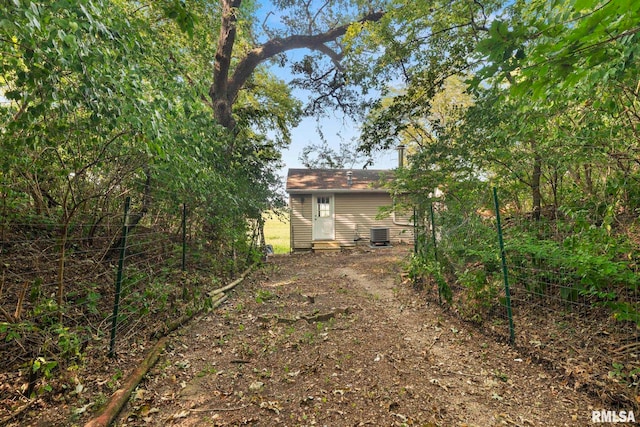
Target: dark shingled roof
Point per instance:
(300, 180)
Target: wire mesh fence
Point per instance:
(562, 290)
(101, 280)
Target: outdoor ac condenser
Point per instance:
(379, 236)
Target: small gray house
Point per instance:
(338, 208)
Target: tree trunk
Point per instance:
(221, 99)
(535, 187)
(588, 179)
(135, 218)
(121, 396)
(226, 86)
(64, 237)
(555, 186)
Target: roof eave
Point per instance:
(335, 190)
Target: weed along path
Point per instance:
(340, 340)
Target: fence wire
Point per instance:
(573, 294)
(58, 282)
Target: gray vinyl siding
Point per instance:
(301, 216)
(356, 213)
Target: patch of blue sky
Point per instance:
(333, 125)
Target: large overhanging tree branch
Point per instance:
(226, 84)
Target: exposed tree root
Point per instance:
(218, 409)
(121, 396)
(232, 284)
(310, 318)
(17, 412)
(172, 326)
(323, 317)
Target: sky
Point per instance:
(335, 127)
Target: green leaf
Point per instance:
(580, 5)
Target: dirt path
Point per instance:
(338, 340)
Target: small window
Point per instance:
(324, 207)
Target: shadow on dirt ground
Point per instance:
(340, 340)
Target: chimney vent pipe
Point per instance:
(401, 149)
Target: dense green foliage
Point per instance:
(105, 98)
(171, 102)
(552, 121)
(102, 100)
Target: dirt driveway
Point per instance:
(340, 340)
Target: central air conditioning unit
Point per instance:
(379, 236)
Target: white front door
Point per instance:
(323, 221)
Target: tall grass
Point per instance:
(277, 232)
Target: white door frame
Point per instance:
(323, 217)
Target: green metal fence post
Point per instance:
(505, 273)
(116, 303)
(415, 231)
(184, 250)
(184, 237)
(435, 247)
(433, 233)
